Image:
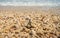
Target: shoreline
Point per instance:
(31, 8)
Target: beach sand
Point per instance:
(29, 22)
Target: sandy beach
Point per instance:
(29, 22)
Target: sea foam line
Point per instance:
(28, 4)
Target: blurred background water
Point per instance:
(30, 2)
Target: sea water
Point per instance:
(30, 2)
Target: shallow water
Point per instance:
(30, 2)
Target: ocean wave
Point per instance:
(28, 3)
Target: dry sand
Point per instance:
(29, 23)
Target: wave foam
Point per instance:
(28, 4)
